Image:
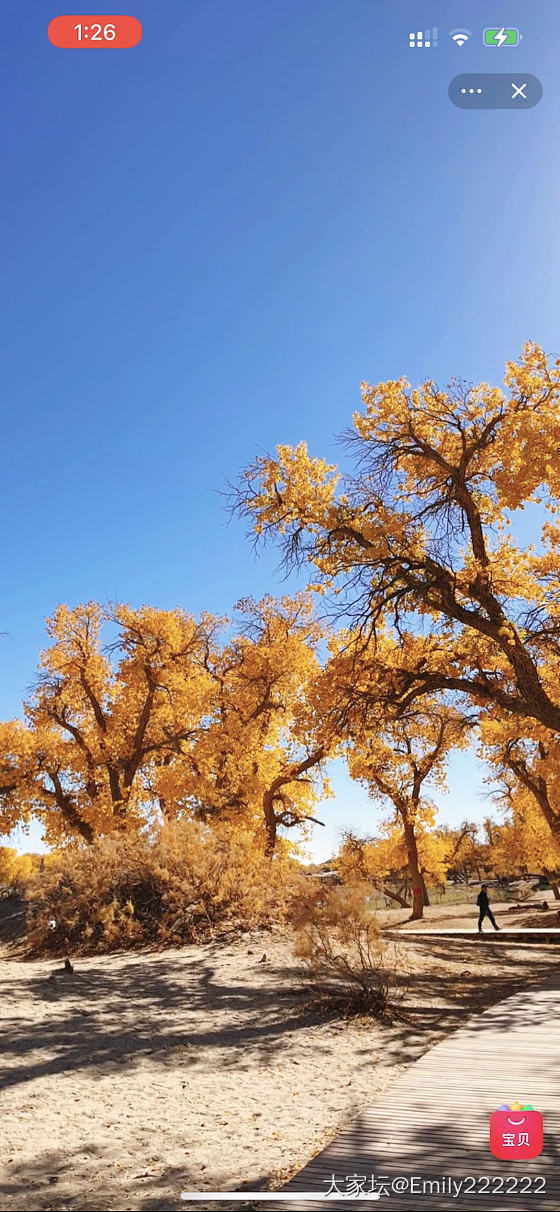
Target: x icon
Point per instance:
(518, 91)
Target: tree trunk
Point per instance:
(424, 890)
(273, 794)
(77, 824)
(414, 870)
(69, 812)
(553, 883)
(270, 823)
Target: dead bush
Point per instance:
(339, 940)
(182, 885)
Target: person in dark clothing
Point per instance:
(484, 908)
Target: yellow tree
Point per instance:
(15, 869)
(261, 758)
(384, 858)
(376, 859)
(395, 760)
(530, 757)
(170, 717)
(528, 771)
(100, 719)
(416, 541)
(18, 772)
(524, 845)
(466, 855)
(433, 857)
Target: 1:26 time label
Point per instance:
(81, 30)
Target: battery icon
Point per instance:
(503, 36)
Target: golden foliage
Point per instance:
(420, 534)
(524, 843)
(16, 869)
(386, 858)
(374, 859)
(395, 760)
(171, 718)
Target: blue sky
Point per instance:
(210, 240)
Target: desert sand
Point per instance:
(206, 1068)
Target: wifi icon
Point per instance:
(460, 36)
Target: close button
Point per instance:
(495, 90)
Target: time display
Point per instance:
(74, 31)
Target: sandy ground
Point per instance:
(206, 1068)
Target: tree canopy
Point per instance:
(441, 629)
(416, 538)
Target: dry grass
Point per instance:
(184, 883)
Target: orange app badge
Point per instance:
(516, 1132)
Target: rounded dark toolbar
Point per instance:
(495, 90)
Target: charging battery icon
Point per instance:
(504, 36)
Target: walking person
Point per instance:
(484, 908)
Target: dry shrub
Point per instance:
(184, 884)
(338, 937)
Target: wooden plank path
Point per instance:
(506, 934)
(433, 1122)
(485, 934)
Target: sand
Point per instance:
(205, 1068)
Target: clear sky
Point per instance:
(209, 241)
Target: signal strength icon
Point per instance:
(460, 36)
(424, 38)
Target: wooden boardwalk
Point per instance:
(506, 934)
(433, 1122)
(426, 932)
